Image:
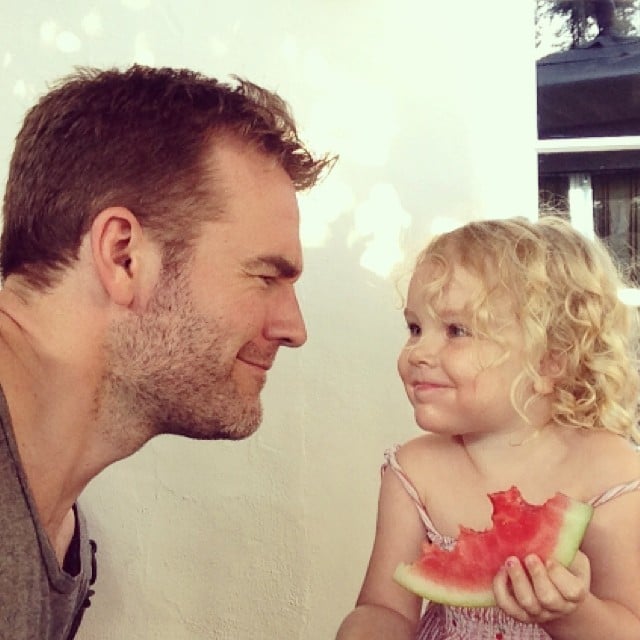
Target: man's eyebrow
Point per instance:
(284, 268)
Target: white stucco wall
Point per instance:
(432, 109)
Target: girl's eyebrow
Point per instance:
(453, 311)
(461, 313)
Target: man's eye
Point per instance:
(457, 331)
(414, 329)
(268, 279)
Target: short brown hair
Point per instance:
(133, 138)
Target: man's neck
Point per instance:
(50, 405)
(52, 374)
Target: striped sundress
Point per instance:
(441, 622)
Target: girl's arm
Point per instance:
(384, 609)
(595, 598)
(368, 622)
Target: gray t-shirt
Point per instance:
(38, 599)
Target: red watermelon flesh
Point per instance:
(463, 575)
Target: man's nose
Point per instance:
(286, 324)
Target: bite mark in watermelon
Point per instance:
(463, 575)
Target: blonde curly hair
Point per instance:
(563, 289)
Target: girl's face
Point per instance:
(460, 383)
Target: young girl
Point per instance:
(520, 370)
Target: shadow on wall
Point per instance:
(354, 408)
(267, 537)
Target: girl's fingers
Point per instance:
(549, 588)
(574, 583)
(523, 588)
(505, 592)
(531, 591)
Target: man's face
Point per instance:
(194, 362)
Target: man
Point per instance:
(149, 254)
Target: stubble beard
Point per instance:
(170, 371)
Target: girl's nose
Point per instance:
(424, 352)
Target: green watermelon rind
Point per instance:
(572, 532)
(576, 519)
(408, 577)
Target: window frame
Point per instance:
(581, 210)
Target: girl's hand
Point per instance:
(533, 592)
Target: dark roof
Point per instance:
(590, 91)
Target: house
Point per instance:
(589, 140)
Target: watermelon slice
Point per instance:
(463, 575)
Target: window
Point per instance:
(589, 121)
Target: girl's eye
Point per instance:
(457, 331)
(414, 329)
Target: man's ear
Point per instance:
(551, 367)
(122, 255)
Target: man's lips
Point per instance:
(265, 365)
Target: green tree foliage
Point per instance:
(573, 23)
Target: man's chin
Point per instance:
(239, 430)
(207, 432)
(233, 418)
(236, 427)
(235, 434)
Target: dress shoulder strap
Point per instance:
(392, 462)
(614, 492)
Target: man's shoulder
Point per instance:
(38, 599)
